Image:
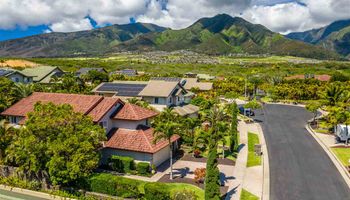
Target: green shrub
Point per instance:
(122, 164)
(157, 191)
(16, 182)
(114, 185)
(143, 168)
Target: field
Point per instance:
(219, 66)
(17, 63)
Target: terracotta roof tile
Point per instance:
(102, 108)
(95, 106)
(136, 140)
(134, 112)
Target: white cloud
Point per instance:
(70, 25)
(62, 15)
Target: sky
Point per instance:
(21, 18)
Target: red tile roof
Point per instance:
(102, 108)
(323, 77)
(94, 106)
(137, 140)
(134, 113)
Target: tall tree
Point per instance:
(333, 94)
(8, 96)
(6, 134)
(57, 140)
(166, 131)
(234, 127)
(23, 90)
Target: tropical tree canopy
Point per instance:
(57, 140)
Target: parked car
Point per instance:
(246, 111)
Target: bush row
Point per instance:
(130, 188)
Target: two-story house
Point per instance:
(126, 125)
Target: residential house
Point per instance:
(85, 70)
(126, 125)
(16, 76)
(43, 74)
(159, 92)
(193, 83)
(126, 72)
(205, 77)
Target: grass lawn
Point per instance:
(253, 160)
(245, 195)
(182, 186)
(343, 154)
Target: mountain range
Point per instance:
(221, 34)
(335, 36)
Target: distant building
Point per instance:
(193, 83)
(16, 76)
(324, 77)
(43, 74)
(127, 126)
(126, 72)
(205, 77)
(191, 75)
(85, 70)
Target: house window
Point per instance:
(13, 120)
(156, 100)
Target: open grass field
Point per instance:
(17, 63)
(343, 154)
(253, 160)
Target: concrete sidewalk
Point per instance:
(241, 163)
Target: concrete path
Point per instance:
(299, 167)
(241, 163)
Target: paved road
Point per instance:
(7, 195)
(299, 167)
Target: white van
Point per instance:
(341, 133)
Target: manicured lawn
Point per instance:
(253, 160)
(245, 195)
(343, 154)
(175, 187)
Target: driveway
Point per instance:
(299, 167)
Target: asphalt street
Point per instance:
(299, 167)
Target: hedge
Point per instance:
(129, 188)
(158, 191)
(114, 185)
(122, 164)
(143, 168)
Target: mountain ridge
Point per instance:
(335, 36)
(221, 34)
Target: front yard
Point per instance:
(253, 159)
(245, 195)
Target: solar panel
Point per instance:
(122, 89)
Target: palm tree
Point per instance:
(223, 127)
(166, 131)
(333, 94)
(139, 102)
(190, 124)
(23, 90)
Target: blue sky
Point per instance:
(20, 18)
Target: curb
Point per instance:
(338, 164)
(266, 168)
(33, 193)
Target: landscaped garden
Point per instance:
(253, 159)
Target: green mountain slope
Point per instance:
(221, 34)
(92, 42)
(224, 34)
(335, 36)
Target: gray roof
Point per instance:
(186, 109)
(168, 79)
(121, 89)
(85, 70)
(158, 89)
(5, 72)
